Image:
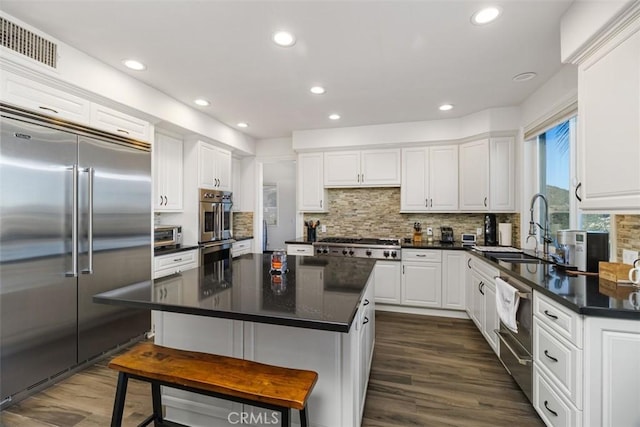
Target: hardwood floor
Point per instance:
(427, 371)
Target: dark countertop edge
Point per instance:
(456, 246)
(160, 252)
(238, 239)
(587, 310)
(324, 325)
(298, 241)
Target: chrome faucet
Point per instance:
(546, 238)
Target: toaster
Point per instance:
(446, 235)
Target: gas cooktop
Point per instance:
(359, 247)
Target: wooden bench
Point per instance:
(266, 386)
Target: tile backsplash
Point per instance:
(243, 224)
(375, 212)
(628, 234)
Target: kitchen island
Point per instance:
(317, 316)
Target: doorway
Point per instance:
(278, 204)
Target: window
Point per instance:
(270, 203)
(556, 160)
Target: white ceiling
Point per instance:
(380, 61)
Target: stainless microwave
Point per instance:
(167, 235)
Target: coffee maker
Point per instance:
(583, 249)
(490, 230)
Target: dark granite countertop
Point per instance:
(298, 241)
(173, 250)
(582, 294)
(318, 293)
(424, 244)
(239, 238)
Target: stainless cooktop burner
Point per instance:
(359, 247)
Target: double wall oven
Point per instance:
(216, 231)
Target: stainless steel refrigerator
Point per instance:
(75, 220)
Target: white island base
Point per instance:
(342, 361)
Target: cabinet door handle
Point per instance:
(546, 353)
(480, 286)
(576, 192)
(366, 302)
(469, 263)
(160, 200)
(554, 317)
(430, 203)
(49, 109)
(546, 406)
(365, 321)
(320, 203)
(362, 178)
(485, 202)
(165, 200)
(426, 203)
(403, 269)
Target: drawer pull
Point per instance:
(177, 259)
(554, 317)
(301, 250)
(123, 131)
(546, 406)
(546, 353)
(421, 255)
(49, 109)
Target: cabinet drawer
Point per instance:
(561, 360)
(173, 263)
(565, 322)
(240, 248)
(303, 250)
(554, 409)
(421, 255)
(43, 99)
(483, 268)
(113, 121)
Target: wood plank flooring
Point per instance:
(427, 371)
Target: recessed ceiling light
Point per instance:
(284, 39)
(202, 102)
(317, 90)
(523, 77)
(243, 125)
(334, 116)
(486, 15)
(445, 107)
(134, 65)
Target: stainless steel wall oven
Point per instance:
(216, 221)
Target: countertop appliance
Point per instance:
(75, 211)
(583, 249)
(167, 236)
(490, 230)
(516, 348)
(216, 220)
(468, 239)
(446, 235)
(359, 247)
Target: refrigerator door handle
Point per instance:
(74, 223)
(89, 269)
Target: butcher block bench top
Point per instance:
(230, 376)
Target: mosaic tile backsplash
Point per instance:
(243, 224)
(375, 212)
(628, 229)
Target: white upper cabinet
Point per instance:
(214, 167)
(609, 124)
(368, 168)
(487, 175)
(168, 173)
(26, 93)
(312, 196)
(113, 121)
(429, 179)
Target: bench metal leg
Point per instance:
(157, 404)
(285, 417)
(304, 417)
(118, 404)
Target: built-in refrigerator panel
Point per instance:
(38, 294)
(115, 192)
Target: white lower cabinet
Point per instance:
(552, 406)
(164, 265)
(453, 280)
(421, 278)
(387, 282)
(482, 307)
(300, 249)
(241, 247)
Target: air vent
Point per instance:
(27, 43)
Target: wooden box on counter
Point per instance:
(615, 272)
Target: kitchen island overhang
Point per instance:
(321, 319)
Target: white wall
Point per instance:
(86, 76)
(492, 121)
(274, 148)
